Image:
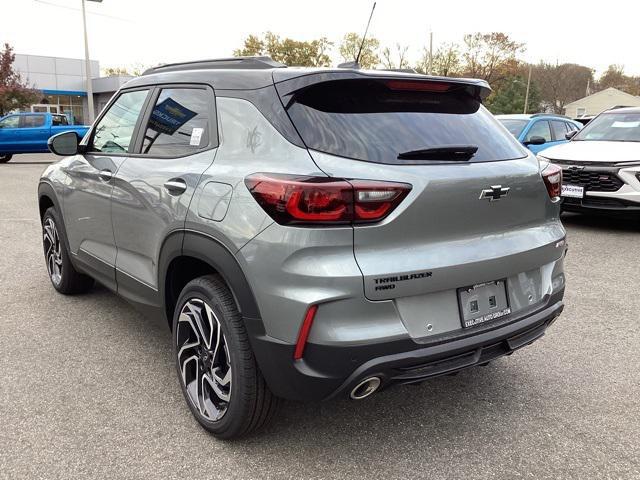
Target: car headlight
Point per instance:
(543, 162)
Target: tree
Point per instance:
(447, 61)
(491, 57)
(615, 77)
(14, 92)
(135, 71)
(288, 51)
(350, 45)
(510, 98)
(560, 84)
(387, 60)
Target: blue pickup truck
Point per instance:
(29, 132)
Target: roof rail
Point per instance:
(234, 63)
(549, 115)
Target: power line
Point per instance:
(78, 10)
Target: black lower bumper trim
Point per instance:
(329, 371)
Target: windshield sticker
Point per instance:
(625, 124)
(196, 136)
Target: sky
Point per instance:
(148, 32)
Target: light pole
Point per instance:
(87, 62)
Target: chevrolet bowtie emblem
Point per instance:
(495, 192)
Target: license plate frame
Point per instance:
(571, 191)
(481, 294)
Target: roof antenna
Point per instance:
(355, 63)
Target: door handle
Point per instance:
(105, 175)
(175, 186)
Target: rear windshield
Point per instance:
(515, 127)
(368, 120)
(612, 127)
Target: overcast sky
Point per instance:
(148, 32)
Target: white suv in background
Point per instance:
(601, 164)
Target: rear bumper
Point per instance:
(329, 371)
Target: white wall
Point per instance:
(54, 73)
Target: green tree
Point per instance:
(291, 52)
(510, 98)
(491, 57)
(447, 61)
(350, 45)
(615, 77)
(388, 60)
(14, 92)
(560, 84)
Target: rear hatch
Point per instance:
(435, 135)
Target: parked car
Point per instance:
(539, 131)
(601, 164)
(29, 132)
(308, 233)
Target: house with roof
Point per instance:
(598, 102)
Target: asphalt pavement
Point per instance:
(88, 387)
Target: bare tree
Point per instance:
(560, 84)
(388, 61)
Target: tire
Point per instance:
(64, 277)
(219, 377)
(5, 158)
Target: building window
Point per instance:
(581, 112)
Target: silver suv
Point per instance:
(307, 233)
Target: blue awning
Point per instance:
(65, 92)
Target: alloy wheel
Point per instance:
(203, 358)
(52, 250)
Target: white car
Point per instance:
(601, 164)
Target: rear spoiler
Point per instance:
(289, 81)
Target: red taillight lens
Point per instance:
(303, 335)
(552, 176)
(419, 86)
(295, 200)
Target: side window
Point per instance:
(559, 129)
(57, 120)
(539, 129)
(114, 131)
(10, 122)
(571, 127)
(179, 122)
(32, 121)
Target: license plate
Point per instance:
(483, 302)
(573, 191)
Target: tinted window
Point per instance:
(59, 120)
(515, 127)
(375, 121)
(539, 129)
(32, 121)
(615, 127)
(559, 129)
(179, 122)
(10, 122)
(114, 130)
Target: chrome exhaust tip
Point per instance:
(365, 388)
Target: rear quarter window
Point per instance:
(370, 121)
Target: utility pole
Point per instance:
(87, 64)
(430, 72)
(526, 96)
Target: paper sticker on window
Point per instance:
(625, 125)
(196, 136)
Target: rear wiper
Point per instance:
(460, 153)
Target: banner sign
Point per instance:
(168, 116)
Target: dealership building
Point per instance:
(63, 84)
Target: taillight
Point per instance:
(552, 176)
(302, 200)
(419, 86)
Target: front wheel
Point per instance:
(216, 368)
(64, 277)
(5, 158)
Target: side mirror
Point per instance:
(64, 144)
(570, 135)
(535, 140)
